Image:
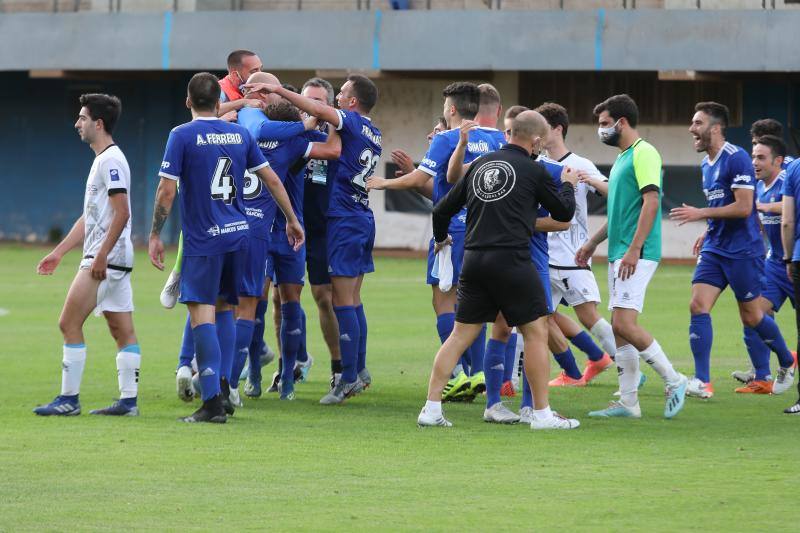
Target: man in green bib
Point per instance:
(633, 231)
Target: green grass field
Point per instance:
(725, 464)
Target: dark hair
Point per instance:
(555, 115)
(283, 111)
(718, 112)
(465, 96)
(364, 90)
(235, 58)
(766, 126)
(489, 95)
(322, 84)
(290, 87)
(204, 91)
(618, 106)
(775, 144)
(103, 107)
(442, 121)
(515, 110)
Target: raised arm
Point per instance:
(330, 149)
(312, 107)
(455, 166)
(559, 200)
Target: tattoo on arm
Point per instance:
(160, 214)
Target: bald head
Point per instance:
(263, 77)
(528, 125)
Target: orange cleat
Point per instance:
(563, 380)
(756, 387)
(508, 390)
(794, 354)
(594, 368)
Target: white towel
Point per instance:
(443, 268)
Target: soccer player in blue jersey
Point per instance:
(351, 225)
(769, 126)
(790, 234)
(768, 154)
(731, 251)
(209, 157)
(461, 104)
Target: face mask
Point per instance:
(609, 135)
(241, 85)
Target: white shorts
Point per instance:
(629, 294)
(114, 294)
(574, 286)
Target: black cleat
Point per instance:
(225, 390)
(211, 411)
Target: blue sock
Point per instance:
(477, 352)
(244, 336)
(187, 345)
(302, 353)
(527, 394)
(701, 334)
(257, 344)
(291, 333)
(444, 325)
(758, 352)
(510, 355)
(769, 332)
(583, 341)
(206, 347)
(361, 362)
(567, 363)
(495, 358)
(348, 341)
(226, 333)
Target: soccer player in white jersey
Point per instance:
(576, 285)
(103, 281)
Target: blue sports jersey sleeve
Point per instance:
(791, 187)
(172, 164)
(437, 157)
(262, 128)
(740, 171)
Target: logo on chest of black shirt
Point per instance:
(493, 180)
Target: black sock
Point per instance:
(336, 366)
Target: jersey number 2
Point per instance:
(369, 161)
(222, 185)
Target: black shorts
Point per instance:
(499, 280)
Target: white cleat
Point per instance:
(698, 389)
(744, 376)
(183, 382)
(500, 414)
(235, 398)
(171, 290)
(783, 380)
(426, 419)
(555, 422)
(526, 415)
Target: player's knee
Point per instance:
(698, 307)
(621, 328)
(751, 317)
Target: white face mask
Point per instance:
(609, 135)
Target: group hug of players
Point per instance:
(274, 182)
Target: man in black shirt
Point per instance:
(502, 192)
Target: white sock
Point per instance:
(128, 364)
(628, 366)
(72, 369)
(434, 408)
(657, 359)
(520, 347)
(542, 414)
(603, 332)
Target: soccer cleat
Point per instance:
(618, 410)
(555, 422)
(526, 415)
(252, 389)
(507, 390)
(286, 395)
(183, 382)
(425, 419)
(563, 380)
(171, 290)
(117, 409)
(276, 382)
(500, 414)
(267, 356)
(477, 384)
(341, 392)
(301, 370)
(211, 411)
(335, 378)
(794, 409)
(594, 368)
(755, 386)
(783, 380)
(365, 377)
(235, 397)
(642, 381)
(676, 395)
(61, 406)
(455, 386)
(698, 389)
(744, 376)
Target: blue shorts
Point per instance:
(743, 275)
(350, 243)
(456, 254)
(284, 265)
(776, 285)
(206, 279)
(544, 276)
(255, 268)
(317, 258)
